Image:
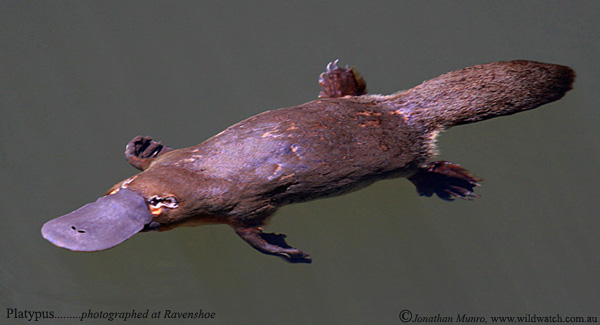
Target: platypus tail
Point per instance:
(483, 91)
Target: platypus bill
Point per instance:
(341, 142)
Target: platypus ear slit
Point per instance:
(339, 82)
(272, 244)
(141, 151)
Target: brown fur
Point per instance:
(331, 146)
(482, 92)
(335, 145)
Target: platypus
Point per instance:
(341, 142)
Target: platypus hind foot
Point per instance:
(272, 244)
(141, 151)
(339, 82)
(445, 179)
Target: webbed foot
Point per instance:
(339, 82)
(446, 180)
(272, 244)
(141, 151)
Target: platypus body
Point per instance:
(341, 142)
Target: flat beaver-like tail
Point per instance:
(484, 91)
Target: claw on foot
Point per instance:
(339, 82)
(446, 180)
(272, 244)
(140, 151)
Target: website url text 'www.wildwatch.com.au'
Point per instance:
(407, 316)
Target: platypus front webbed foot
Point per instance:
(445, 179)
(272, 244)
(141, 151)
(339, 82)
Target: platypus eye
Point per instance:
(156, 202)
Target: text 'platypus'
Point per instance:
(341, 142)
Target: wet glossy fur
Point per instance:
(339, 143)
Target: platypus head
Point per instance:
(135, 204)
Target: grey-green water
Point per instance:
(80, 79)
